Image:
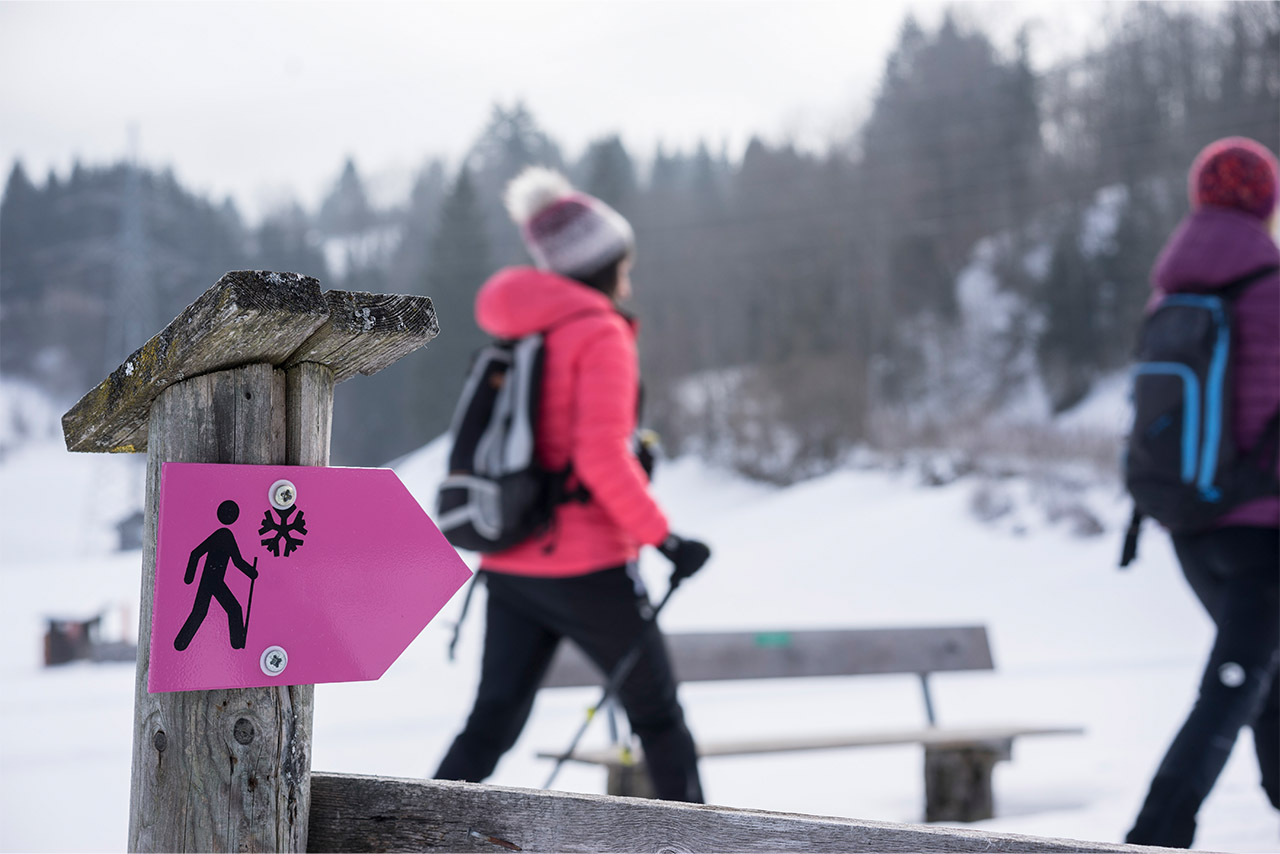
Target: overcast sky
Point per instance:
(262, 101)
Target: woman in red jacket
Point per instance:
(578, 579)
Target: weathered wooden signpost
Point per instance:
(244, 375)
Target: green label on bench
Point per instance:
(773, 639)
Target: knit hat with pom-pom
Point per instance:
(1235, 172)
(567, 232)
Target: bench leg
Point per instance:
(630, 781)
(957, 782)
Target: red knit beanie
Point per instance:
(1238, 173)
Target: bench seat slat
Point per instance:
(720, 656)
(995, 737)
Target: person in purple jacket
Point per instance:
(1234, 568)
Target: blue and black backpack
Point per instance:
(1180, 463)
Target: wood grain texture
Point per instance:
(365, 333)
(247, 317)
(216, 770)
(712, 656)
(308, 414)
(360, 813)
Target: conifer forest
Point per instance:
(794, 303)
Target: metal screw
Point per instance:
(274, 660)
(282, 494)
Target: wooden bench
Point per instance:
(68, 639)
(957, 761)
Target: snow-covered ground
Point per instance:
(1076, 642)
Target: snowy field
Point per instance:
(1076, 642)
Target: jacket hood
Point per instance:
(519, 301)
(1211, 248)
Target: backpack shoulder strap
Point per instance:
(1130, 549)
(1268, 445)
(1233, 288)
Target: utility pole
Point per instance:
(133, 303)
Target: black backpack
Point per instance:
(1180, 461)
(496, 495)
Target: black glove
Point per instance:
(687, 556)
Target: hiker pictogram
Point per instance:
(218, 549)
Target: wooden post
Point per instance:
(244, 375)
(216, 770)
(957, 781)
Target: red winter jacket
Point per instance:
(591, 380)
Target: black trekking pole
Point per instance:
(614, 682)
(249, 605)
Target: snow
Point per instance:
(347, 253)
(1107, 408)
(25, 414)
(1076, 642)
(1101, 219)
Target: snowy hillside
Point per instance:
(1076, 642)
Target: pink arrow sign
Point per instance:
(290, 575)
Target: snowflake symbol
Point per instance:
(284, 530)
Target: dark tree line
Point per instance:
(104, 251)
(787, 298)
(1133, 116)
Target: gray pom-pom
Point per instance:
(532, 190)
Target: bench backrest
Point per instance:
(714, 656)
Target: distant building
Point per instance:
(129, 530)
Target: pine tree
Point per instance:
(1020, 142)
(397, 395)
(459, 263)
(1072, 304)
(409, 260)
(21, 225)
(511, 141)
(1124, 272)
(346, 210)
(606, 172)
(284, 242)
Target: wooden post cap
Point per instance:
(365, 333)
(248, 317)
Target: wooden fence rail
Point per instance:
(361, 813)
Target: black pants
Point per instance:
(604, 613)
(1235, 572)
(206, 592)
